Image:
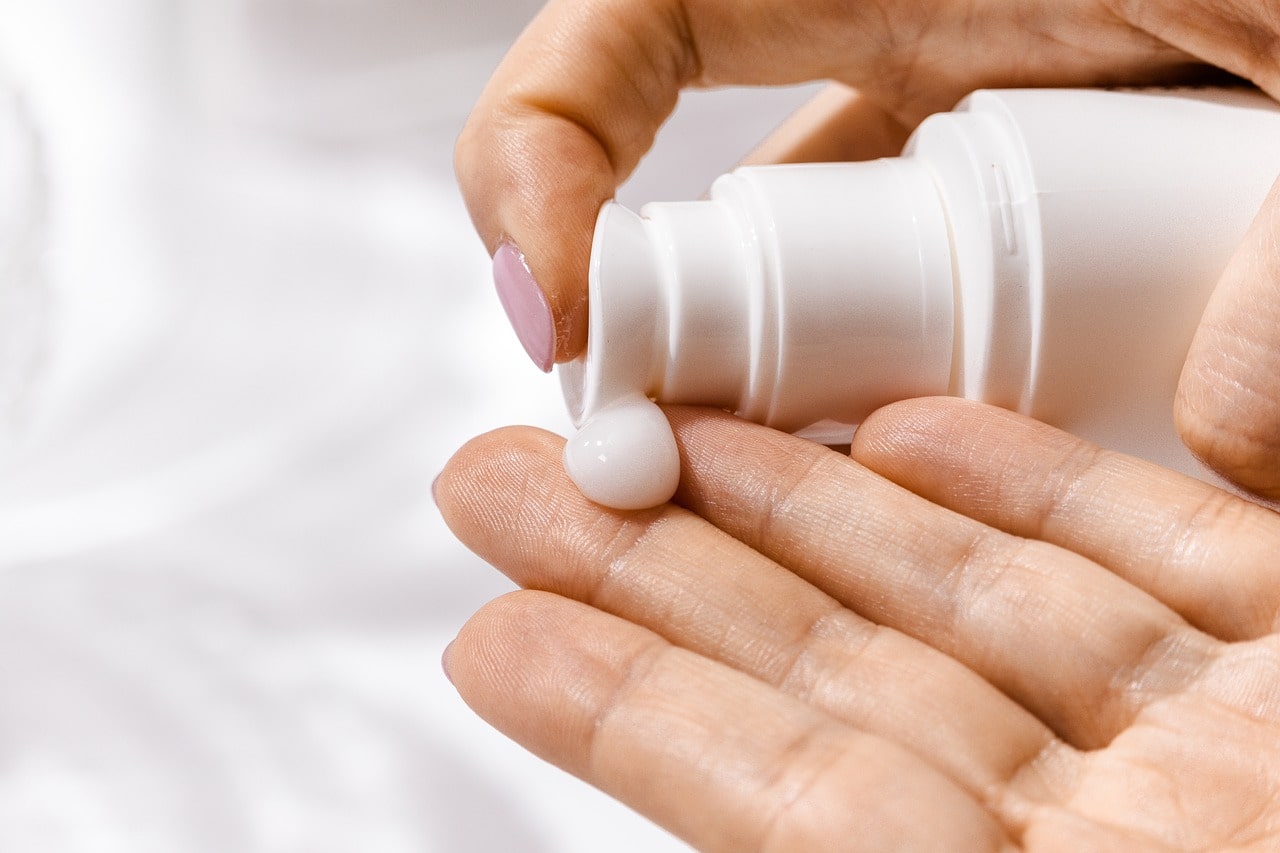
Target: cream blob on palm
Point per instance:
(1047, 251)
(625, 457)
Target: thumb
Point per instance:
(1228, 403)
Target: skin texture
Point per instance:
(578, 100)
(978, 633)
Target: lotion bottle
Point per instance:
(1048, 251)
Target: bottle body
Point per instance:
(1106, 236)
(1049, 251)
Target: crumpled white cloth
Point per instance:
(224, 589)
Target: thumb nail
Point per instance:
(525, 304)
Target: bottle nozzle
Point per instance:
(625, 310)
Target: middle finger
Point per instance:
(1078, 646)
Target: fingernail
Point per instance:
(435, 489)
(525, 304)
(444, 662)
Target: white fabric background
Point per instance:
(224, 589)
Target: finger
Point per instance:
(721, 760)
(506, 496)
(1205, 553)
(579, 98)
(1228, 403)
(1009, 608)
(1239, 37)
(840, 124)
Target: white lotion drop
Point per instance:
(625, 456)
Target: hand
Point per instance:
(577, 102)
(1046, 646)
(579, 98)
(1228, 404)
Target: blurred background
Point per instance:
(243, 324)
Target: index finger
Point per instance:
(580, 97)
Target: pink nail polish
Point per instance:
(525, 304)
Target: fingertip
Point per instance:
(525, 304)
(838, 124)
(883, 424)
(488, 465)
(1227, 407)
(538, 666)
(445, 664)
(540, 275)
(908, 428)
(533, 184)
(1211, 424)
(558, 256)
(955, 450)
(489, 658)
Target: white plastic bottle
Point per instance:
(1049, 251)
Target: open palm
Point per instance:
(977, 633)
